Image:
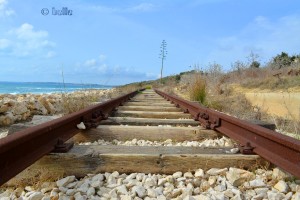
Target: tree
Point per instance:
(282, 60)
(162, 56)
(255, 64)
(252, 59)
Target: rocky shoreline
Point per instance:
(21, 107)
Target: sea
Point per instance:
(45, 87)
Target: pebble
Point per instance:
(203, 185)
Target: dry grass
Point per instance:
(73, 102)
(197, 88)
(41, 175)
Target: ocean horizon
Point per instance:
(7, 87)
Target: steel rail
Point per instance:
(281, 150)
(23, 148)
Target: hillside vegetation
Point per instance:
(237, 92)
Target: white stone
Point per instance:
(217, 171)
(151, 193)
(65, 181)
(296, 196)
(278, 174)
(205, 185)
(288, 196)
(140, 191)
(259, 196)
(161, 181)
(122, 190)
(29, 188)
(78, 196)
(36, 196)
(177, 174)
(46, 198)
(168, 189)
(83, 188)
(261, 190)
(257, 183)
(188, 175)
(113, 193)
(161, 197)
(54, 192)
(47, 189)
(188, 197)
(81, 126)
(96, 184)
(281, 186)
(212, 180)
(98, 177)
(125, 197)
(229, 193)
(175, 193)
(275, 195)
(149, 182)
(238, 176)
(70, 192)
(202, 197)
(63, 189)
(237, 197)
(91, 191)
(199, 173)
(111, 180)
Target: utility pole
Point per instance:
(162, 56)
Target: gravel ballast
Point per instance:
(218, 184)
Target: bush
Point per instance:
(197, 89)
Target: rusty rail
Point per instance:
(21, 149)
(279, 149)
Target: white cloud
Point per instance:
(50, 54)
(262, 36)
(26, 41)
(143, 7)
(26, 32)
(4, 11)
(102, 57)
(90, 63)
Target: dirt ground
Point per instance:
(280, 103)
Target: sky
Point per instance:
(116, 42)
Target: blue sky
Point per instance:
(117, 42)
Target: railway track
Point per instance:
(148, 115)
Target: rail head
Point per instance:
(279, 149)
(23, 148)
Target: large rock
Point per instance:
(19, 108)
(7, 119)
(49, 107)
(37, 108)
(4, 108)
